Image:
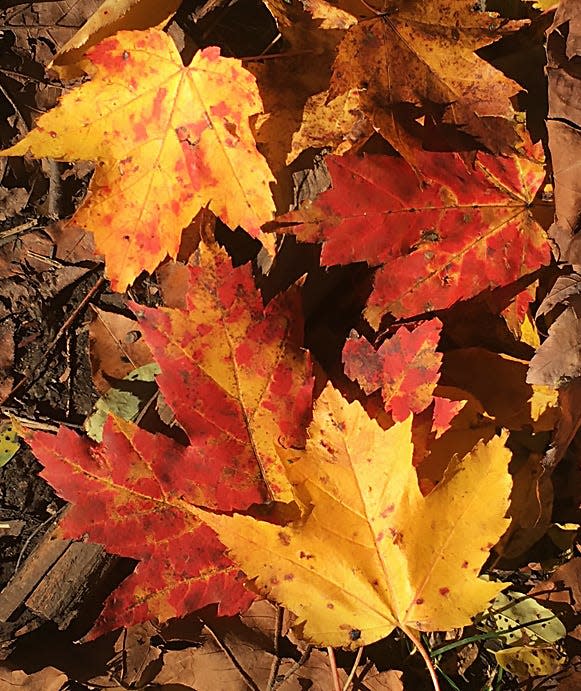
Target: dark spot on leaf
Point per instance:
(419, 601)
(444, 591)
(284, 538)
(355, 634)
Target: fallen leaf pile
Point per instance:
(424, 459)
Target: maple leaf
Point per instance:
(405, 367)
(238, 383)
(168, 141)
(458, 233)
(233, 370)
(362, 553)
(296, 116)
(423, 53)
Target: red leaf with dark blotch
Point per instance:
(461, 231)
(123, 498)
(362, 363)
(406, 367)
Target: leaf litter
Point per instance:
(243, 453)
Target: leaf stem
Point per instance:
(334, 670)
(279, 611)
(353, 671)
(485, 636)
(424, 653)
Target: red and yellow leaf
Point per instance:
(168, 140)
(239, 384)
(232, 370)
(457, 233)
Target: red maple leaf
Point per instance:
(459, 231)
(238, 382)
(406, 367)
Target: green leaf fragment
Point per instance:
(9, 443)
(119, 402)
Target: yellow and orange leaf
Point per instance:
(167, 139)
(374, 554)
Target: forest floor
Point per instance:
(62, 334)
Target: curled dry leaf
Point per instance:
(111, 17)
(362, 553)
(168, 140)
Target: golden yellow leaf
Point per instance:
(168, 140)
(374, 554)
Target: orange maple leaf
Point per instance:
(168, 140)
(423, 54)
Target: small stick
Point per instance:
(276, 661)
(295, 667)
(334, 670)
(74, 314)
(230, 655)
(353, 671)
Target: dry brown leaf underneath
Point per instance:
(116, 348)
(47, 679)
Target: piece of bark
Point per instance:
(58, 581)
(26, 579)
(61, 594)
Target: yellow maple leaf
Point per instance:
(373, 553)
(168, 140)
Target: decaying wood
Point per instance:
(54, 584)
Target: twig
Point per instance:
(206, 8)
(273, 56)
(6, 234)
(424, 653)
(54, 188)
(295, 667)
(353, 671)
(276, 661)
(334, 670)
(230, 655)
(35, 532)
(74, 314)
